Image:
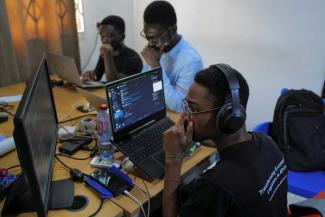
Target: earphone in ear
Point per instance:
(232, 115)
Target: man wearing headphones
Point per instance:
(166, 48)
(116, 60)
(250, 178)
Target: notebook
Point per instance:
(138, 116)
(66, 68)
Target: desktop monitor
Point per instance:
(35, 135)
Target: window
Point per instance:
(79, 15)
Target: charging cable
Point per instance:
(12, 167)
(62, 163)
(91, 54)
(4, 107)
(74, 118)
(74, 158)
(147, 193)
(98, 209)
(71, 111)
(79, 134)
(130, 182)
(75, 173)
(135, 200)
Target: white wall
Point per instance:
(274, 44)
(95, 11)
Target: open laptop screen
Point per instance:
(135, 99)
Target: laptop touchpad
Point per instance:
(159, 157)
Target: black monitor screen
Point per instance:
(35, 135)
(136, 98)
(40, 125)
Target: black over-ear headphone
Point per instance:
(232, 115)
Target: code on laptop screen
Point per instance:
(136, 98)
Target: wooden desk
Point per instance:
(65, 99)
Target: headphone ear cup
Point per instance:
(222, 116)
(227, 121)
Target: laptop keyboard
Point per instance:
(147, 142)
(87, 82)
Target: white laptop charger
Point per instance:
(66, 132)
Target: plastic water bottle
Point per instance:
(104, 134)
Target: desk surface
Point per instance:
(66, 99)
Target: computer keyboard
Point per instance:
(147, 142)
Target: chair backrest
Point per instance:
(263, 127)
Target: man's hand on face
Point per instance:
(88, 76)
(106, 49)
(176, 139)
(152, 55)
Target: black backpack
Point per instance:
(298, 128)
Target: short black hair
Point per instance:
(115, 21)
(216, 82)
(160, 12)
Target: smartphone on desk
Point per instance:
(112, 182)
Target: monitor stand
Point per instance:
(20, 197)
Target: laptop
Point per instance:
(138, 116)
(94, 100)
(66, 68)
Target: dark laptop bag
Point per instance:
(299, 129)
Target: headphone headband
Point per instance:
(232, 115)
(233, 85)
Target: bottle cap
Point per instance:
(103, 107)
